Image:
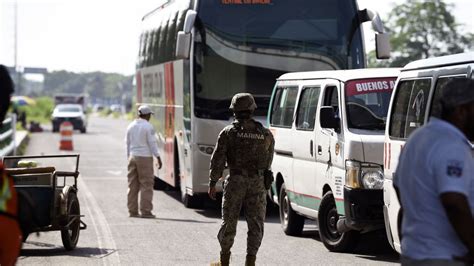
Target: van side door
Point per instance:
(329, 145)
(304, 153)
(281, 121)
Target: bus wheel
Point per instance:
(191, 201)
(327, 221)
(159, 184)
(291, 222)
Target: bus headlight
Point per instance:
(363, 175)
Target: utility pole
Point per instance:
(17, 69)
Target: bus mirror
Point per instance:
(183, 45)
(189, 21)
(377, 24)
(382, 45)
(328, 119)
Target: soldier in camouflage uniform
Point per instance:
(247, 147)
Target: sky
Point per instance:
(103, 35)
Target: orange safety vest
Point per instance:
(8, 196)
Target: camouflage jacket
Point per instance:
(246, 145)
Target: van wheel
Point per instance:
(291, 222)
(327, 221)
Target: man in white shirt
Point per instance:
(141, 147)
(435, 184)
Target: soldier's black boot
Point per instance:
(225, 258)
(250, 260)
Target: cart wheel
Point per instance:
(70, 236)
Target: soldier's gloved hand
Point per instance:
(212, 192)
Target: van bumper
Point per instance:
(363, 209)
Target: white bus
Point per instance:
(195, 55)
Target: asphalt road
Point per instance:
(178, 236)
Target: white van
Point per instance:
(415, 99)
(329, 131)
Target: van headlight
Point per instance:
(363, 175)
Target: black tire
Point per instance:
(159, 184)
(192, 202)
(70, 236)
(327, 223)
(291, 222)
(24, 236)
(83, 130)
(55, 128)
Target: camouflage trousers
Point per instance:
(249, 193)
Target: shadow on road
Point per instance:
(184, 220)
(212, 208)
(372, 246)
(49, 250)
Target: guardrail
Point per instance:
(7, 136)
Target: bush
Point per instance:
(40, 111)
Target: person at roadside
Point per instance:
(10, 232)
(247, 148)
(141, 148)
(434, 181)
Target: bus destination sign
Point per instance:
(246, 2)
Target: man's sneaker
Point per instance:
(148, 215)
(136, 215)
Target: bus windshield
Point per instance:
(367, 102)
(243, 46)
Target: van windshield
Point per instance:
(367, 102)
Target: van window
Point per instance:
(307, 109)
(283, 107)
(367, 102)
(439, 88)
(409, 108)
(331, 99)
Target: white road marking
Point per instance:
(105, 239)
(117, 173)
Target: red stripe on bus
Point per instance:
(169, 121)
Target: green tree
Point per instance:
(98, 85)
(421, 29)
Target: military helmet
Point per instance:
(242, 102)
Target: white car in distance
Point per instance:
(73, 113)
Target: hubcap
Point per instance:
(285, 209)
(332, 218)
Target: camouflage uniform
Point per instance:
(247, 147)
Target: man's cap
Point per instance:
(145, 110)
(243, 102)
(458, 91)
